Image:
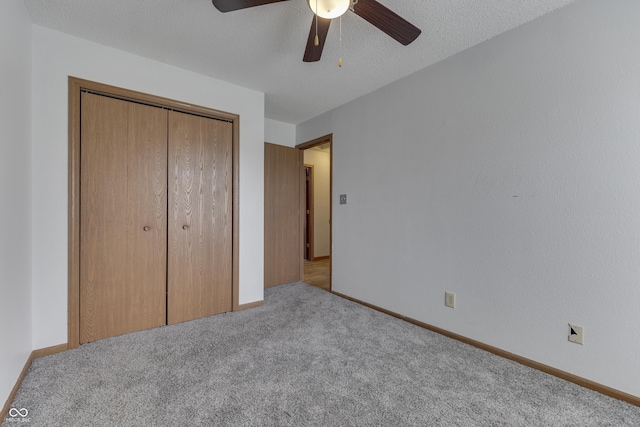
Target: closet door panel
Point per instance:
(200, 217)
(147, 217)
(122, 217)
(103, 231)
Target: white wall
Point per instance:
(15, 192)
(321, 161)
(510, 175)
(56, 56)
(279, 133)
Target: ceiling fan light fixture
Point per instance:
(329, 9)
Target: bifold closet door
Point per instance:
(200, 217)
(123, 221)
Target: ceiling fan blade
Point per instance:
(387, 21)
(231, 5)
(313, 53)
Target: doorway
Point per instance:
(287, 225)
(316, 210)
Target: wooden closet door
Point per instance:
(200, 217)
(122, 217)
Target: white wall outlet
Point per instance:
(450, 299)
(576, 333)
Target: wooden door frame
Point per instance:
(303, 146)
(76, 86)
(311, 215)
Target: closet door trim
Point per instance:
(76, 86)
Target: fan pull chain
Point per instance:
(316, 41)
(340, 59)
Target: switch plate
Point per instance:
(450, 299)
(576, 334)
(343, 199)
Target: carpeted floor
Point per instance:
(305, 358)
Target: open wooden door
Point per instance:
(282, 220)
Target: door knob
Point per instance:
(146, 228)
(185, 227)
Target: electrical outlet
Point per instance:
(450, 299)
(343, 199)
(576, 333)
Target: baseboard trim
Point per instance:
(583, 382)
(320, 258)
(41, 352)
(14, 390)
(48, 351)
(249, 305)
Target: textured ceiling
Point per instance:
(261, 48)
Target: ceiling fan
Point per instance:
(326, 10)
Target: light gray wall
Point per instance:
(279, 133)
(15, 192)
(510, 175)
(57, 56)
